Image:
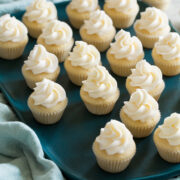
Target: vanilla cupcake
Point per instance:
(124, 53)
(146, 76)
(78, 11)
(99, 92)
(167, 139)
(13, 37)
(98, 30)
(152, 24)
(37, 15)
(57, 37)
(114, 148)
(122, 12)
(39, 65)
(160, 4)
(80, 61)
(140, 114)
(166, 54)
(48, 102)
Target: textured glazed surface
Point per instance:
(69, 142)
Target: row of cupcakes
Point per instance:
(42, 64)
(114, 147)
(127, 49)
(41, 18)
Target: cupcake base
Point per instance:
(121, 20)
(31, 79)
(148, 40)
(47, 115)
(139, 129)
(99, 106)
(77, 18)
(61, 51)
(34, 28)
(168, 68)
(156, 93)
(76, 74)
(166, 151)
(12, 50)
(102, 43)
(113, 163)
(122, 67)
(161, 4)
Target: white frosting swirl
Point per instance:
(126, 46)
(84, 55)
(153, 20)
(12, 29)
(115, 138)
(48, 93)
(170, 130)
(141, 106)
(41, 11)
(57, 32)
(98, 23)
(169, 46)
(122, 5)
(41, 61)
(146, 76)
(84, 5)
(100, 84)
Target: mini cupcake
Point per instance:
(37, 15)
(146, 76)
(57, 37)
(114, 148)
(48, 102)
(78, 11)
(160, 4)
(152, 24)
(122, 12)
(140, 114)
(124, 53)
(99, 92)
(166, 54)
(80, 61)
(13, 37)
(98, 30)
(39, 65)
(167, 139)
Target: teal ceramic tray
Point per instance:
(68, 143)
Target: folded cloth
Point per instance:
(21, 154)
(12, 6)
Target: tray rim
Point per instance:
(63, 168)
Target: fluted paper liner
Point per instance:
(61, 51)
(156, 93)
(122, 67)
(76, 74)
(113, 163)
(34, 28)
(47, 115)
(102, 43)
(121, 20)
(166, 151)
(149, 40)
(161, 4)
(139, 129)
(168, 68)
(99, 106)
(12, 50)
(77, 18)
(31, 79)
